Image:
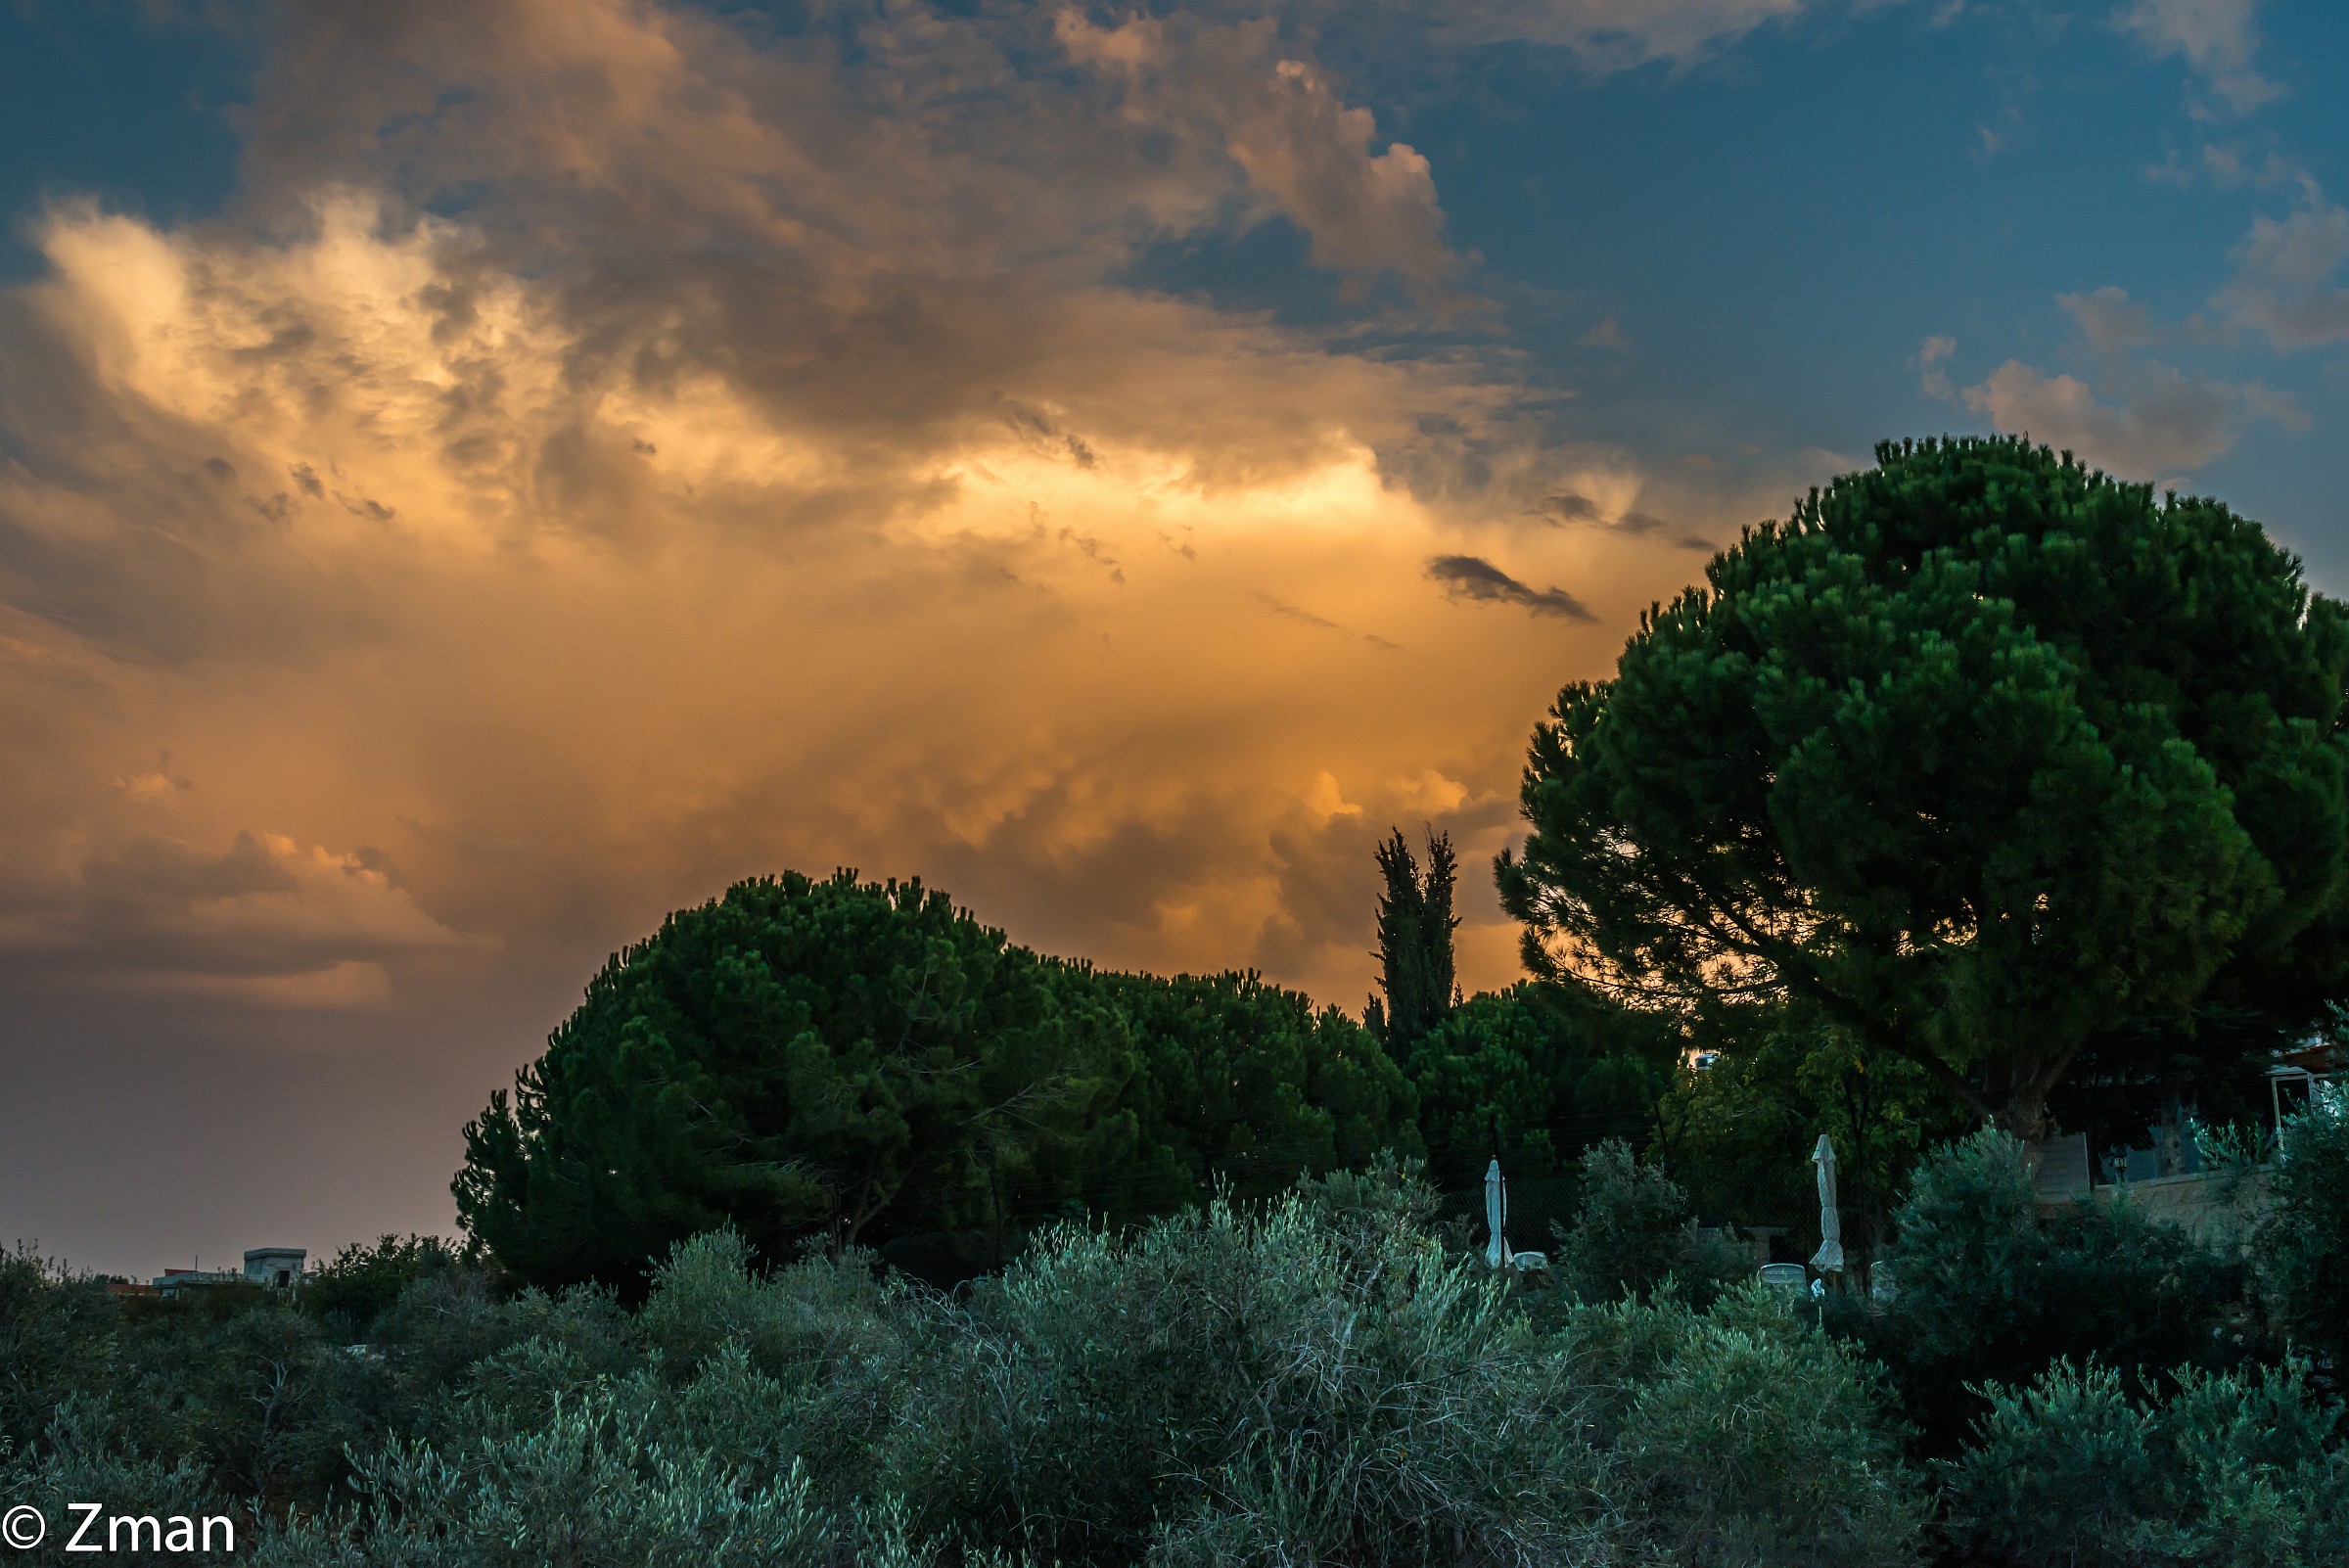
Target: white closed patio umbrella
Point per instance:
(1496, 1215)
(1828, 1260)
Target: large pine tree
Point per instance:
(1998, 764)
(867, 1063)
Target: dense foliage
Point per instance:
(1989, 1284)
(364, 1281)
(866, 1062)
(1536, 1074)
(1244, 1083)
(2232, 1470)
(2302, 1245)
(1980, 754)
(1316, 1379)
(1416, 985)
(1740, 1135)
(1634, 1235)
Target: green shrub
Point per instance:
(362, 1281)
(86, 1454)
(595, 1484)
(1996, 1286)
(2063, 1472)
(1634, 1229)
(1288, 1387)
(836, 1349)
(2303, 1241)
(2234, 1470)
(1238, 1385)
(1314, 1380)
(58, 1335)
(1760, 1442)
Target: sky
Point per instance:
(478, 475)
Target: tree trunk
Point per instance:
(2024, 1116)
(2169, 1142)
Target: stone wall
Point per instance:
(2217, 1207)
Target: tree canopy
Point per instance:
(795, 1056)
(1981, 753)
(1536, 1074)
(866, 1062)
(1248, 1082)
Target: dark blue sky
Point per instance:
(1776, 221)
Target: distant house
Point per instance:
(174, 1281)
(2158, 1165)
(279, 1267)
(276, 1268)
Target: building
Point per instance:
(277, 1267)
(173, 1281)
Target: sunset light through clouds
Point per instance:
(476, 477)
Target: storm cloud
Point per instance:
(1473, 576)
(602, 450)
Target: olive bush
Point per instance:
(1634, 1229)
(2303, 1241)
(1316, 1379)
(1246, 1385)
(599, 1482)
(2232, 1470)
(1996, 1286)
(88, 1454)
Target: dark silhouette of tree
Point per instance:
(864, 1063)
(1417, 990)
(837, 1058)
(1536, 1074)
(1981, 753)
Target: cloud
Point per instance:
(2169, 422)
(1570, 509)
(1325, 799)
(654, 517)
(261, 921)
(1471, 576)
(1930, 364)
(1602, 35)
(2217, 38)
(1303, 150)
(1306, 618)
(2109, 319)
(608, 452)
(2154, 419)
(1606, 335)
(2287, 277)
(2225, 168)
(2262, 402)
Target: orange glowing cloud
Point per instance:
(769, 461)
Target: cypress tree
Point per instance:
(1416, 923)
